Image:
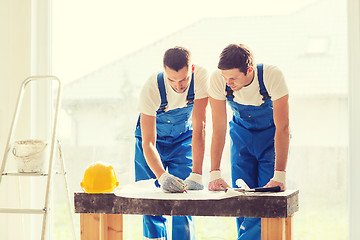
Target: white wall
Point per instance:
(14, 60)
(14, 68)
(354, 106)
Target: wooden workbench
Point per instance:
(101, 214)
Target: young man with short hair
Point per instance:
(259, 128)
(170, 135)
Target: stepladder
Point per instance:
(36, 157)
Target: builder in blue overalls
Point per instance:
(170, 136)
(259, 128)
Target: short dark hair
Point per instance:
(236, 56)
(176, 58)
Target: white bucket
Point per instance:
(31, 155)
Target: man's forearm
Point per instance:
(217, 147)
(198, 135)
(282, 141)
(198, 150)
(219, 125)
(153, 159)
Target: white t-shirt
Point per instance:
(150, 99)
(250, 95)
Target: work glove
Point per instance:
(279, 179)
(216, 182)
(171, 184)
(194, 182)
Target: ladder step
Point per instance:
(22, 210)
(25, 174)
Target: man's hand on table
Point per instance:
(171, 184)
(217, 183)
(194, 182)
(279, 179)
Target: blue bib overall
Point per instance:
(252, 133)
(174, 134)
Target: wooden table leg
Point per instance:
(276, 228)
(288, 228)
(101, 226)
(89, 226)
(111, 227)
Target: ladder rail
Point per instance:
(54, 130)
(62, 163)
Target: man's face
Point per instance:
(235, 79)
(178, 80)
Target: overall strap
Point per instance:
(161, 86)
(229, 93)
(191, 95)
(263, 91)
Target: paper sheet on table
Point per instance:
(147, 189)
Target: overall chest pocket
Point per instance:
(255, 119)
(173, 125)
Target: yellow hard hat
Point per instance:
(99, 178)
